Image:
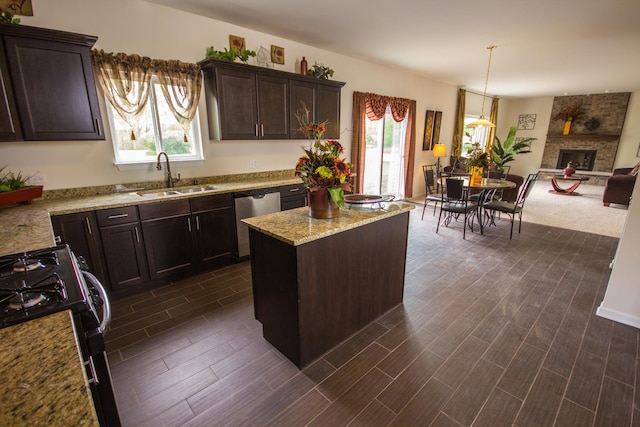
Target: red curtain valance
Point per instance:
(377, 105)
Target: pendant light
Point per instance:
(482, 120)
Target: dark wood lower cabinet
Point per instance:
(124, 256)
(215, 236)
(80, 232)
(168, 246)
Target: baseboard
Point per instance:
(618, 316)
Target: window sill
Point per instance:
(148, 164)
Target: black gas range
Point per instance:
(37, 283)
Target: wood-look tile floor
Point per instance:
(492, 332)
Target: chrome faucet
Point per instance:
(170, 180)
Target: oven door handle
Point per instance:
(106, 305)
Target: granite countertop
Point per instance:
(296, 227)
(28, 227)
(43, 380)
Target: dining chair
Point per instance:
(456, 204)
(512, 209)
(431, 184)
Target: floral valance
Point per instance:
(377, 105)
(126, 81)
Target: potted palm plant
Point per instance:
(504, 152)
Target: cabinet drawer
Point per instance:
(206, 203)
(115, 216)
(291, 190)
(164, 209)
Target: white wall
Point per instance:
(622, 298)
(134, 26)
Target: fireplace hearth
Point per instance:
(582, 159)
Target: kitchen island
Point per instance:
(318, 281)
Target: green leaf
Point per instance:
(337, 195)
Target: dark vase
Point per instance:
(321, 205)
(569, 170)
(303, 66)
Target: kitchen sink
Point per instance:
(177, 191)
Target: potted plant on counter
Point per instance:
(14, 188)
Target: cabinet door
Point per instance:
(80, 232)
(238, 104)
(54, 89)
(273, 107)
(169, 245)
(123, 249)
(215, 235)
(304, 95)
(9, 125)
(329, 110)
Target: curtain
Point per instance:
(456, 146)
(125, 80)
(493, 118)
(373, 106)
(180, 83)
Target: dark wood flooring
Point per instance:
(492, 332)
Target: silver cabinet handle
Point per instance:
(197, 223)
(86, 219)
(98, 126)
(261, 129)
(257, 130)
(189, 223)
(135, 229)
(124, 215)
(293, 190)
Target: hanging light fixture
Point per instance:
(482, 120)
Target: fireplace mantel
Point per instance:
(586, 136)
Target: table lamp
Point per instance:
(439, 150)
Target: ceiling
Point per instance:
(544, 47)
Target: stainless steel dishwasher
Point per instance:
(252, 203)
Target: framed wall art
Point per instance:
(436, 127)
(17, 7)
(427, 141)
(238, 43)
(526, 121)
(277, 54)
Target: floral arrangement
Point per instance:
(570, 113)
(321, 167)
(477, 157)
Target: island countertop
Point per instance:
(296, 227)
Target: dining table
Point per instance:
(484, 186)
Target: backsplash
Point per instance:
(150, 185)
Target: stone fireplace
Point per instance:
(593, 141)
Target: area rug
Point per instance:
(583, 213)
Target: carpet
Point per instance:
(581, 213)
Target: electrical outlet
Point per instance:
(253, 164)
(37, 180)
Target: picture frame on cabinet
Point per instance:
(17, 7)
(277, 54)
(427, 140)
(238, 43)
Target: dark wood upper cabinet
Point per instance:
(50, 77)
(248, 102)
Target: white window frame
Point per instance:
(196, 137)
